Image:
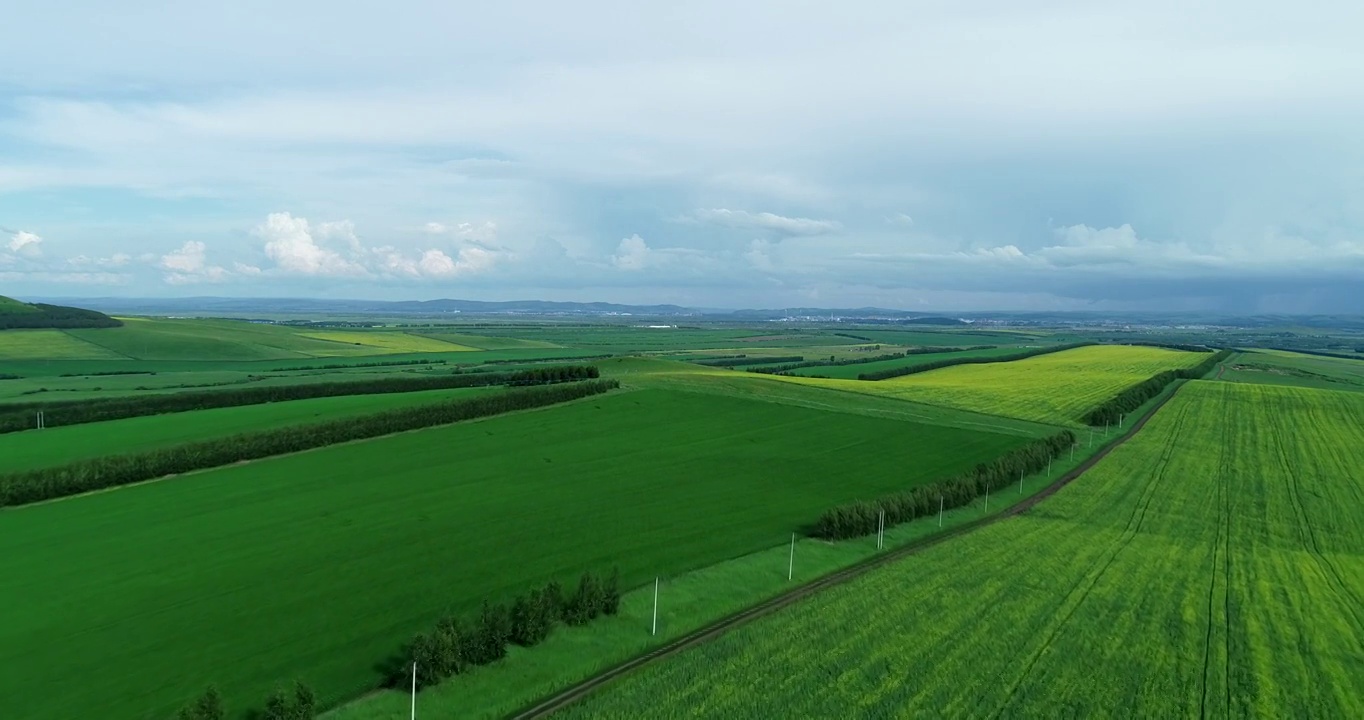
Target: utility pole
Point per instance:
(791, 565)
(654, 631)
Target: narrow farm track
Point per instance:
(556, 702)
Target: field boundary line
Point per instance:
(572, 694)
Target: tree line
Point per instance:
(861, 518)
(342, 366)
(1112, 411)
(296, 703)
(949, 362)
(742, 361)
(831, 362)
(56, 316)
(551, 375)
(74, 412)
(20, 488)
(453, 646)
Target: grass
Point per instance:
(389, 342)
(319, 565)
(1275, 367)
(1213, 566)
(60, 445)
(23, 345)
(1055, 388)
(850, 372)
(10, 306)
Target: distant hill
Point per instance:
(16, 315)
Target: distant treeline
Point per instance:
(949, 362)
(1112, 411)
(56, 316)
(743, 360)
(861, 518)
(343, 366)
(783, 369)
(1321, 353)
(74, 412)
(1172, 346)
(32, 486)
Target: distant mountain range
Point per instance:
(219, 306)
(303, 308)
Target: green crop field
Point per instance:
(1274, 367)
(223, 340)
(1054, 388)
(59, 445)
(48, 344)
(850, 372)
(1211, 567)
(318, 565)
(388, 342)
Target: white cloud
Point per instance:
(632, 254)
(189, 265)
(290, 243)
(25, 244)
(483, 233)
(759, 255)
(900, 219)
(764, 221)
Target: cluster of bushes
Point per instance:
(297, 703)
(7, 376)
(861, 518)
(452, 647)
(20, 416)
(1111, 412)
(56, 316)
(551, 375)
(377, 363)
(742, 361)
(31, 486)
(949, 362)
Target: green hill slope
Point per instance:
(15, 314)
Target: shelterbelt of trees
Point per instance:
(1111, 412)
(99, 473)
(20, 416)
(861, 518)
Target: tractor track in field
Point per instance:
(549, 705)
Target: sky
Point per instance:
(936, 155)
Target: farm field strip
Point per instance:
(59, 445)
(1055, 388)
(338, 569)
(389, 342)
(40, 345)
(850, 372)
(1235, 512)
(1276, 367)
(649, 373)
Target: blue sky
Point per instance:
(943, 155)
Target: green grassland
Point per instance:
(850, 372)
(1213, 567)
(10, 305)
(59, 445)
(1054, 388)
(317, 565)
(1274, 367)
